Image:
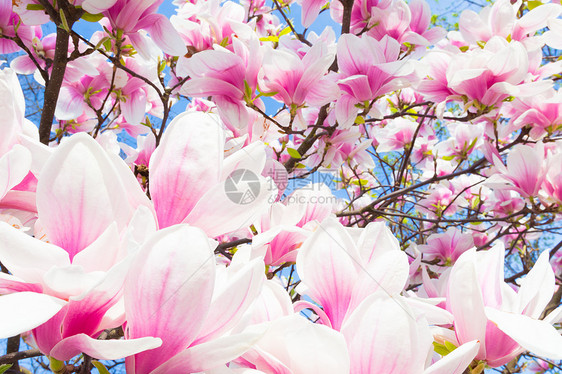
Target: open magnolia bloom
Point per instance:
(189, 177)
(62, 289)
(401, 339)
(340, 267)
(504, 321)
(175, 291)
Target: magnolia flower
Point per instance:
(189, 176)
(340, 267)
(175, 291)
(69, 283)
(505, 322)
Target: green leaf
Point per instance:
(35, 7)
(450, 346)
(533, 4)
(107, 44)
(161, 66)
(224, 42)
(64, 22)
(294, 153)
(247, 91)
(271, 38)
(359, 120)
(440, 349)
(5, 367)
(88, 17)
(101, 368)
(269, 94)
(285, 31)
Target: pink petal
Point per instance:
(388, 326)
(165, 35)
(465, 300)
(168, 292)
(177, 180)
(219, 213)
(537, 336)
(102, 349)
(295, 345)
(328, 264)
(310, 10)
(239, 288)
(211, 354)
(14, 166)
(28, 258)
(75, 214)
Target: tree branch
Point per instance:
(10, 358)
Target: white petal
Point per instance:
(24, 311)
(102, 349)
(537, 336)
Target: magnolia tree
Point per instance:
(382, 197)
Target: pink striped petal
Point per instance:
(75, 214)
(211, 354)
(185, 166)
(328, 263)
(168, 292)
(235, 291)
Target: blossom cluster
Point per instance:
(188, 248)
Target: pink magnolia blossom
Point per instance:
(396, 135)
(368, 69)
(175, 291)
(9, 24)
(388, 325)
(286, 225)
(501, 19)
(505, 322)
(447, 246)
(297, 80)
(524, 171)
(486, 75)
(542, 113)
(201, 24)
(340, 270)
(130, 16)
(77, 275)
(407, 23)
(184, 191)
(231, 78)
(441, 200)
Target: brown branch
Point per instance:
(13, 357)
(346, 19)
(53, 85)
(309, 141)
(300, 37)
